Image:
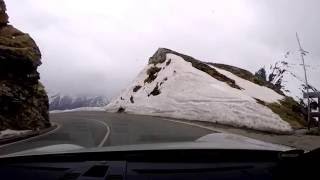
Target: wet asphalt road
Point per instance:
(96, 129)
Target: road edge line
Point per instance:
(105, 138)
(34, 137)
(194, 125)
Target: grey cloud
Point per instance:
(98, 47)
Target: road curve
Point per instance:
(96, 129)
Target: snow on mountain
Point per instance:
(289, 74)
(178, 86)
(79, 109)
(67, 102)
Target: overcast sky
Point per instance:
(99, 46)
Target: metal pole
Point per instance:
(319, 112)
(302, 53)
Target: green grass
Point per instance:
(214, 73)
(289, 110)
(313, 132)
(259, 81)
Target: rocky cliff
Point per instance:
(23, 99)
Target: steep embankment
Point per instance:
(179, 86)
(23, 100)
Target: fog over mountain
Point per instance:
(67, 102)
(98, 47)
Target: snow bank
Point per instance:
(80, 109)
(188, 93)
(8, 133)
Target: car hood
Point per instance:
(210, 141)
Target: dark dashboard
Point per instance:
(162, 164)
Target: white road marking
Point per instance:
(34, 137)
(182, 122)
(105, 138)
(194, 125)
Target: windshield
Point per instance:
(88, 75)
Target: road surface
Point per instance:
(96, 129)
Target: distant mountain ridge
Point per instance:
(66, 102)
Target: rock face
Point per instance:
(3, 16)
(23, 99)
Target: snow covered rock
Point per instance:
(3, 15)
(179, 86)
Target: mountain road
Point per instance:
(96, 129)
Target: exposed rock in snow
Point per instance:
(67, 102)
(178, 86)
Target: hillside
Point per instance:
(178, 86)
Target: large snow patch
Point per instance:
(188, 93)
